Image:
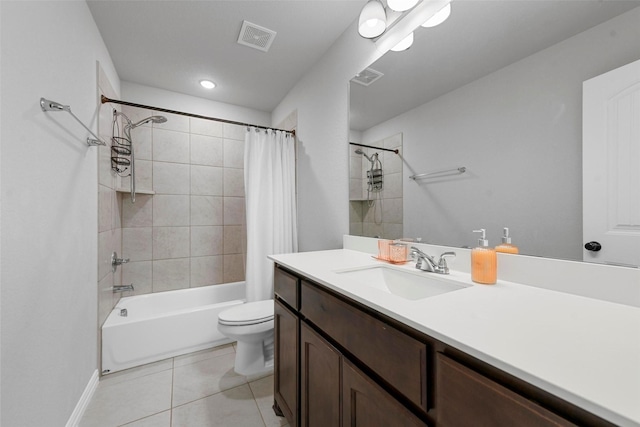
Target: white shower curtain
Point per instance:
(269, 182)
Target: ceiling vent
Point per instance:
(255, 36)
(366, 77)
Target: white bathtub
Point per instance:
(166, 324)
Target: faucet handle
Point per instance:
(442, 263)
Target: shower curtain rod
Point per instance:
(377, 148)
(104, 100)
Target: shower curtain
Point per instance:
(269, 180)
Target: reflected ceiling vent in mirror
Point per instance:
(367, 76)
(255, 36)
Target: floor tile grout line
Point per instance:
(173, 378)
(255, 400)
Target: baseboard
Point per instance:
(82, 404)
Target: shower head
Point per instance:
(371, 159)
(153, 119)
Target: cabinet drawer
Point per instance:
(466, 398)
(396, 357)
(286, 287)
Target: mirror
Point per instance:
(496, 89)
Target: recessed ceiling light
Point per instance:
(207, 84)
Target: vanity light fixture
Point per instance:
(207, 84)
(401, 5)
(393, 29)
(404, 44)
(373, 20)
(439, 17)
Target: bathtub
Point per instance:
(166, 324)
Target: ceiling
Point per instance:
(480, 37)
(173, 45)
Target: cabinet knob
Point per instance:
(593, 246)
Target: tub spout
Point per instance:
(122, 288)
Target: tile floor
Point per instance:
(195, 390)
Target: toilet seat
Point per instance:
(250, 313)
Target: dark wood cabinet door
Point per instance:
(286, 363)
(466, 398)
(319, 380)
(366, 404)
(396, 357)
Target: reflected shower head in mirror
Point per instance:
(153, 119)
(372, 159)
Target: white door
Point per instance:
(611, 166)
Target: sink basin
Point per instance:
(406, 284)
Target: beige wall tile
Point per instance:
(206, 127)
(206, 240)
(233, 153)
(105, 248)
(139, 274)
(206, 181)
(206, 210)
(174, 122)
(234, 239)
(230, 131)
(206, 150)
(391, 162)
(170, 146)
(105, 208)
(170, 178)
(144, 176)
(234, 211)
(171, 210)
(207, 270)
(138, 214)
(170, 274)
(233, 182)
(141, 139)
(106, 299)
(136, 114)
(234, 268)
(137, 244)
(170, 242)
(392, 186)
(392, 211)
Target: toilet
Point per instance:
(251, 325)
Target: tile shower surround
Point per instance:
(192, 231)
(361, 215)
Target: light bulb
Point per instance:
(404, 44)
(439, 17)
(373, 20)
(401, 5)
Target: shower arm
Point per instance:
(48, 105)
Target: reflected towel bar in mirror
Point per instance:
(438, 174)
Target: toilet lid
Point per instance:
(248, 313)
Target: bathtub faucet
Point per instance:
(122, 288)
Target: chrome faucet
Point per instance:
(426, 262)
(122, 288)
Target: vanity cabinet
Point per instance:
(320, 393)
(484, 402)
(286, 372)
(341, 363)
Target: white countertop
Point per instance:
(583, 350)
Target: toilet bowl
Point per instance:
(251, 325)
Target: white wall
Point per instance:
(322, 101)
(518, 132)
(154, 97)
(49, 209)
